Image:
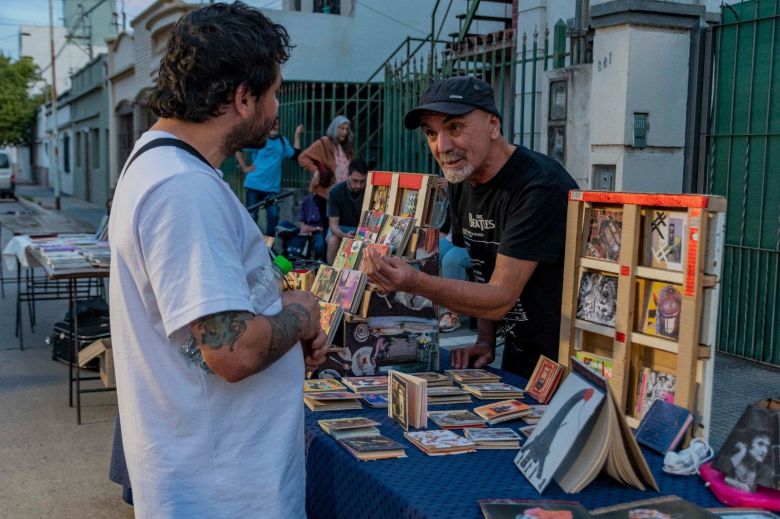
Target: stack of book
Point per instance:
(472, 376)
(456, 419)
(535, 413)
(369, 448)
(494, 391)
(502, 411)
(440, 395)
(434, 379)
(341, 428)
(439, 443)
(319, 385)
(332, 401)
(364, 385)
(494, 438)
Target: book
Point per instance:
(527, 430)
(332, 401)
(330, 317)
(667, 506)
(521, 509)
(742, 513)
(502, 411)
(662, 309)
(441, 395)
(434, 378)
(665, 239)
(341, 428)
(436, 442)
(349, 290)
(456, 419)
(653, 385)
(597, 299)
(663, 427)
(374, 399)
(472, 376)
(369, 448)
(379, 198)
(348, 254)
(407, 400)
(494, 391)
(299, 279)
(380, 248)
(493, 438)
(535, 414)
(598, 363)
(604, 233)
(582, 432)
(407, 202)
(324, 282)
(317, 385)
(370, 225)
(395, 233)
(365, 385)
(545, 379)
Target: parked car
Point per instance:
(7, 180)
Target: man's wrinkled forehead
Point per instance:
(429, 118)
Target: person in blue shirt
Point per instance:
(264, 174)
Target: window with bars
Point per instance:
(640, 130)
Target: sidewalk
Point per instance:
(55, 468)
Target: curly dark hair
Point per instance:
(211, 52)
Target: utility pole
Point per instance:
(55, 146)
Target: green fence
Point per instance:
(743, 148)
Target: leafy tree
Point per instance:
(17, 106)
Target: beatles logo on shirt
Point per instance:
(481, 223)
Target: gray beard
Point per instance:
(457, 175)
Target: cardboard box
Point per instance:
(100, 349)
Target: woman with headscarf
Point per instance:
(328, 158)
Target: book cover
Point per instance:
(379, 198)
(597, 300)
(348, 255)
(370, 225)
(471, 375)
(667, 506)
(407, 400)
(598, 363)
(665, 239)
(324, 282)
(338, 424)
(663, 427)
(663, 306)
(494, 389)
(322, 384)
(604, 232)
(434, 378)
(397, 403)
(373, 444)
(395, 233)
(407, 202)
(544, 380)
(654, 385)
(349, 289)
(437, 441)
(374, 399)
(380, 248)
(502, 411)
(523, 509)
(456, 419)
(493, 434)
(330, 317)
(366, 384)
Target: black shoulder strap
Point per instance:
(165, 141)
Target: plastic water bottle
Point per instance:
(266, 284)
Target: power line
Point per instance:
(390, 17)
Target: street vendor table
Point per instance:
(422, 486)
(72, 278)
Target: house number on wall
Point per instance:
(604, 62)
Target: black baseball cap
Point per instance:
(453, 96)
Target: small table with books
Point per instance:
(421, 486)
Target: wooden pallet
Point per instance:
(689, 357)
(402, 194)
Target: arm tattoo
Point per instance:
(222, 328)
(286, 328)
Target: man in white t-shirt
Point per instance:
(209, 378)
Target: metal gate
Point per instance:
(743, 147)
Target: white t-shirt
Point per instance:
(196, 446)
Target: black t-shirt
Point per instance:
(520, 213)
(345, 204)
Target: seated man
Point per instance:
(345, 202)
(312, 224)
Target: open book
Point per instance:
(582, 432)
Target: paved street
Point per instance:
(55, 468)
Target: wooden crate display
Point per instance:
(640, 289)
(401, 194)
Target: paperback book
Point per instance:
(330, 317)
(582, 432)
(494, 391)
(522, 509)
(374, 399)
(369, 448)
(441, 395)
(332, 401)
(653, 385)
(665, 239)
(348, 255)
(604, 232)
(318, 385)
(395, 233)
(545, 379)
(341, 428)
(363, 385)
(667, 506)
(407, 400)
(597, 300)
(436, 442)
(493, 438)
(348, 291)
(324, 282)
(370, 225)
(456, 419)
(535, 414)
(472, 376)
(434, 378)
(380, 248)
(502, 411)
(662, 309)
(663, 427)
(598, 363)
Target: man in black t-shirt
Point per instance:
(345, 200)
(508, 207)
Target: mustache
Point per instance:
(451, 157)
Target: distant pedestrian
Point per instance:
(328, 158)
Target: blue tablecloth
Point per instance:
(422, 486)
